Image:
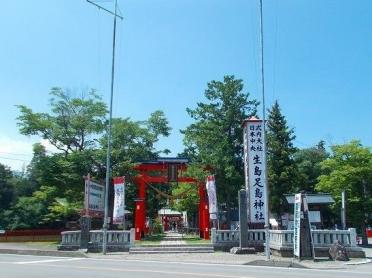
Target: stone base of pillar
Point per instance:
(85, 225)
(241, 251)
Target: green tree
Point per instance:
(76, 126)
(349, 169)
(6, 191)
(308, 162)
(186, 199)
(74, 123)
(29, 212)
(282, 172)
(216, 136)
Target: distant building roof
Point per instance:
(165, 160)
(168, 211)
(313, 198)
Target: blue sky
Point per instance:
(317, 61)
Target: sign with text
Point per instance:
(296, 225)
(212, 197)
(94, 197)
(119, 200)
(255, 169)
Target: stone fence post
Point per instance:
(132, 236)
(214, 235)
(353, 236)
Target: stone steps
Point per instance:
(172, 243)
(169, 249)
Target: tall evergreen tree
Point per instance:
(282, 171)
(216, 136)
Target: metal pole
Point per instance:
(267, 236)
(105, 223)
(343, 216)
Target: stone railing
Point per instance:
(225, 239)
(282, 240)
(321, 238)
(116, 240)
(71, 238)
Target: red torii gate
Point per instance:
(164, 166)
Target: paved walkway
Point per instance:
(172, 238)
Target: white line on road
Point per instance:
(141, 270)
(50, 261)
(335, 270)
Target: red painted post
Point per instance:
(137, 220)
(140, 215)
(203, 212)
(206, 221)
(201, 219)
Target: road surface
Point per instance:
(52, 267)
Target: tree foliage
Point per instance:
(216, 136)
(349, 169)
(73, 123)
(77, 127)
(6, 191)
(308, 162)
(282, 170)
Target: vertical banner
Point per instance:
(119, 200)
(296, 225)
(245, 161)
(255, 169)
(212, 197)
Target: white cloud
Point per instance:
(17, 154)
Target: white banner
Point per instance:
(296, 225)
(119, 201)
(94, 196)
(255, 169)
(212, 198)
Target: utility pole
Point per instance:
(108, 155)
(267, 224)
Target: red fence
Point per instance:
(31, 235)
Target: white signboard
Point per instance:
(119, 200)
(94, 196)
(255, 169)
(314, 216)
(212, 197)
(296, 225)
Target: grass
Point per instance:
(196, 241)
(43, 244)
(151, 240)
(192, 239)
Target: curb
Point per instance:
(276, 264)
(359, 263)
(43, 253)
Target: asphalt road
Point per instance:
(52, 267)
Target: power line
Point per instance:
(16, 154)
(14, 159)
